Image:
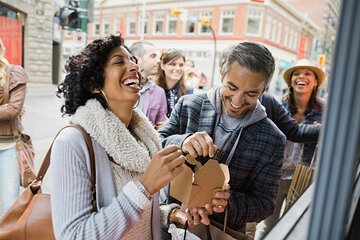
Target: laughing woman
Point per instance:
(100, 90)
(305, 107)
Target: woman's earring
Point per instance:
(103, 93)
(136, 104)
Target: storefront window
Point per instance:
(11, 33)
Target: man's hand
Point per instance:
(219, 202)
(199, 144)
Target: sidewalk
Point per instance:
(40, 89)
(42, 118)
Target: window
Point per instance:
(106, 26)
(278, 32)
(131, 26)
(295, 42)
(254, 22)
(286, 36)
(97, 29)
(273, 30)
(172, 21)
(268, 28)
(159, 24)
(227, 21)
(146, 25)
(143, 29)
(291, 37)
(205, 14)
(190, 25)
(116, 29)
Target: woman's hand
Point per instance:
(163, 168)
(199, 144)
(219, 202)
(193, 216)
(196, 215)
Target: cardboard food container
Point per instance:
(195, 189)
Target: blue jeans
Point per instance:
(9, 179)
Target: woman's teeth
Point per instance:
(129, 82)
(301, 83)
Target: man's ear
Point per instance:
(222, 74)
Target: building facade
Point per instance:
(326, 14)
(26, 27)
(288, 34)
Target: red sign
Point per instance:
(122, 26)
(11, 35)
(301, 53)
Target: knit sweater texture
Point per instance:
(123, 210)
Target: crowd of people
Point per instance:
(140, 106)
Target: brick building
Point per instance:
(27, 30)
(288, 34)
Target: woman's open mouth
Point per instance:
(132, 83)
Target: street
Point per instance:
(42, 119)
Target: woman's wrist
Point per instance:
(142, 188)
(172, 215)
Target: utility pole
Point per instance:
(143, 16)
(205, 22)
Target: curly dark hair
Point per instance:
(85, 72)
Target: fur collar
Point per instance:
(111, 133)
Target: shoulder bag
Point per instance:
(30, 216)
(24, 147)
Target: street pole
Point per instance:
(214, 60)
(325, 48)
(142, 20)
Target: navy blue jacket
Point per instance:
(282, 118)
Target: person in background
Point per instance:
(152, 97)
(192, 77)
(170, 77)
(230, 121)
(100, 91)
(302, 102)
(13, 78)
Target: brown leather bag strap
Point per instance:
(92, 164)
(46, 162)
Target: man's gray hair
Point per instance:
(137, 49)
(256, 57)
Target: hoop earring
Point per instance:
(136, 104)
(103, 94)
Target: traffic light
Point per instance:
(175, 11)
(321, 60)
(69, 18)
(205, 21)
